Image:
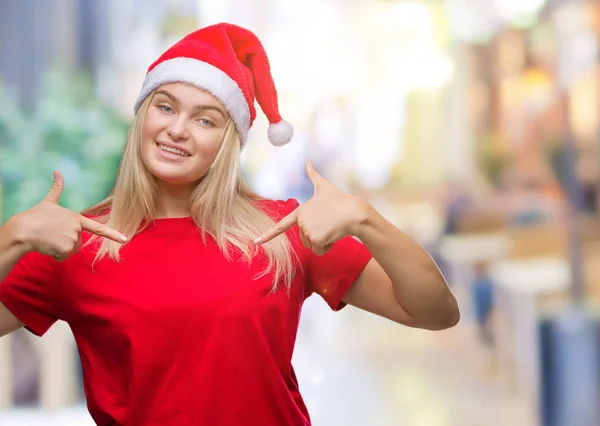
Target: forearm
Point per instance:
(419, 286)
(11, 248)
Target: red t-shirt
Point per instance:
(175, 334)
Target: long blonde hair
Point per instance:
(222, 205)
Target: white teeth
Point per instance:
(173, 150)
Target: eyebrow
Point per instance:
(197, 107)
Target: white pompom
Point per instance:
(280, 133)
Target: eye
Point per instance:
(165, 108)
(206, 122)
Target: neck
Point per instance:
(174, 201)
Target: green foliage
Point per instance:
(69, 130)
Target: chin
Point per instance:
(176, 179)
(173, 177)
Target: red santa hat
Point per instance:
(230, 63)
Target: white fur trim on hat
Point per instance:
(205, 76)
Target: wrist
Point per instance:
(18, 235)
(365, 217)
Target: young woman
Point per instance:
(183, 288)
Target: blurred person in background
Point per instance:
(188, 313)
(483, 302)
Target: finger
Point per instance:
(314, 176)
(57, 188)
(101, 230)
(320, 250)
(325, 249)
(60, 257)
(282, 226)
(317, 248)
(75, 250)
(305, 241)
(77, 247)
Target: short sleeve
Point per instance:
(332, 274)
(30, 291)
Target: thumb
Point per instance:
(57, 188)
(314, 176)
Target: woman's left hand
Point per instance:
(329, 215)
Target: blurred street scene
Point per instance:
(473, 125)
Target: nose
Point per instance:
(177, 129)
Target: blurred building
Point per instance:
(40, 35)
(111, 41)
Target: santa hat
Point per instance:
(230, 63)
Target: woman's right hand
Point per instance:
(52, 230)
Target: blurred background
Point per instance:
(473, 125)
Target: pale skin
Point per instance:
(401, 282)
(51, 230)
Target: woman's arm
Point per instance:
(48, 229)
(402, 282)
(11, 251)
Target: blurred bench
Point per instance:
(523, 289)
(531, 272)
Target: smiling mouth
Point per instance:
(172, 150)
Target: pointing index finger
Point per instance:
(102, 230)
(279, 228)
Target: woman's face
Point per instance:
(181, 133)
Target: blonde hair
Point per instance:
(222, 205)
